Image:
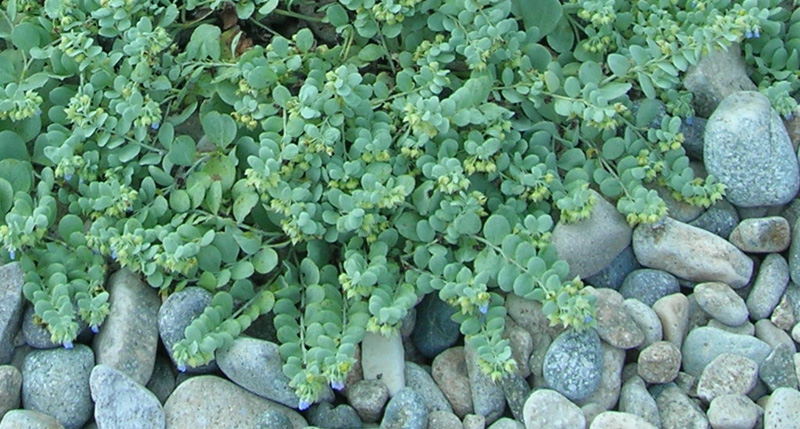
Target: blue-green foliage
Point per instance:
(430, 150)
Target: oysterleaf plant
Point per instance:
(333, 162)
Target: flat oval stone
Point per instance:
(588, 245)
(649, 285)
(769, 286)
(691, 253)
(120, 400)
(56, 382)
(421, 382)
(727, 374)
(547, 408)
(721, 302)
(614, 325)
(703, 344)
(28, 419)
(782, 409)
(256, 365)
(646, 319)
(733, 411)
(762, 235)
(573, 365)
(211, 401)
(449, 370)
(129, 336)
(635, 399)
(747, 148)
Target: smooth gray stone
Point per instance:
(256, 365)
(678, 411)
(573, 365)
(10, 388)
(405, 410)
(272, 419)
(435, 331)
(722, 303)
(747, 148)
(733, 412)
(487, 396)
(128, 338)
(718, 74)
(119, 401)
(29, 419)
(589, 245)
(340, 417)
(769, 286)
(56, 382)
(782, 410)
(606, 395)
(762, 235)
(649, 285)
(208, 401)
(703, 344)
(36, 335)
(691, 253)
(368, 398)
(178, 312)
(547, 408)
(12, 304)
(635, 399)
(421, 381)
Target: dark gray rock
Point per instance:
(693, 130)
(405, 410)
(614, 273)
(516, 391)
(748, 149)
(435, 331)
(325, 415)
(719, 219)
(56, 382)
(162, 381)
(573, 365)
(129, 337)
(648, 285)
(778, 369)
(12, 304)
(175, 314)
(119, 400)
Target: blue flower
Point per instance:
(113, 253)
(690, 120)
(337, 385)
(303, 405)
(756, 33)
(12, 253)
(95, 328)
(182, 368)
(155, 125)
(68, 177)
(483, 308)
(587, 319)
(67, 345)
(748, 34)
